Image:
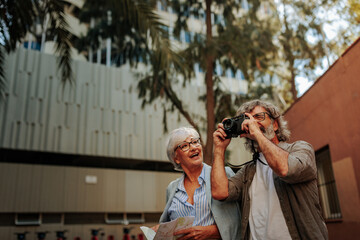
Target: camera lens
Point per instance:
(228, 123)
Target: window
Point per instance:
(135, 217)
(152, 217)
(187, 37)
(239, 75)
(84, 218)
(218, 69)
(115, 218)
(30, 219)
(161, 5)
(7, 219)
(33, 45)
(327, 186)
(244, 4)
(230, 73)
(51, 218)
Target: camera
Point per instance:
(232, 126)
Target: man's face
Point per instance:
(267, 125)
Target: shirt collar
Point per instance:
(201, 180)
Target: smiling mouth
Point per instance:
(194, 155)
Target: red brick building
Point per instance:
(328, 116)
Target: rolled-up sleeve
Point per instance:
(235, 186)
(301, 162)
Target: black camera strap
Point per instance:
(255, 157)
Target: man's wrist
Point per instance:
(258, 135)
(218, 151)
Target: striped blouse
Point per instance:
(200, 210)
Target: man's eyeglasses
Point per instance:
(261, 116)
(185, 146)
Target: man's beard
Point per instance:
(252, 145)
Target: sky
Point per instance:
(303, 84)
(331, 31)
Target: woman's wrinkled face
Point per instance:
(189, 153)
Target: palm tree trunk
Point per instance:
(293, 84)
(210, 100)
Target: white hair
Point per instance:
(176, 137)
(282, 133)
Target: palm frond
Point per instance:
(60, 29)
(17, 19)
(2, 74)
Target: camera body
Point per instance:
(232, 126)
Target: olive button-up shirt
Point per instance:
(297, 193)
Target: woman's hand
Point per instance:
(155, 228)
(199, 232)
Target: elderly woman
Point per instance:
(190, 195)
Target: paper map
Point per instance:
(166, 230)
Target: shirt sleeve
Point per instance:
(302, 163)
(229, 172)
(235, 186)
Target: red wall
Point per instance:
(329, 114)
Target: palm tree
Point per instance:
(18, 18)
(135, 28)
(225, 46)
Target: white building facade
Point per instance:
(87, 155)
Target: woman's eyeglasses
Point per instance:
(185, 146)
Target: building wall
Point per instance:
(27, 188)
(45, 189)
(99, 116)
(73, 231)
(329, 114)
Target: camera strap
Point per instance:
(255, 157)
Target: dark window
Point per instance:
(84, 218)
(7, 219)
(230, 73)
(114, 218)
(135, 217)
(187, 37)
(33, 46)
(58, 159)
(50, 218)
(152, 217)
(27, 219)
(327, 186)
(201, 70)
(163, 5)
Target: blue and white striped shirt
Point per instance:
(200, 210)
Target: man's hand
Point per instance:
(220, 141)
(199, 232)
(219, 180)
(276, 157)
(252, 128)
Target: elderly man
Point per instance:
(277, 191)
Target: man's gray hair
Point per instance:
(283, 133)
(176, 137)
